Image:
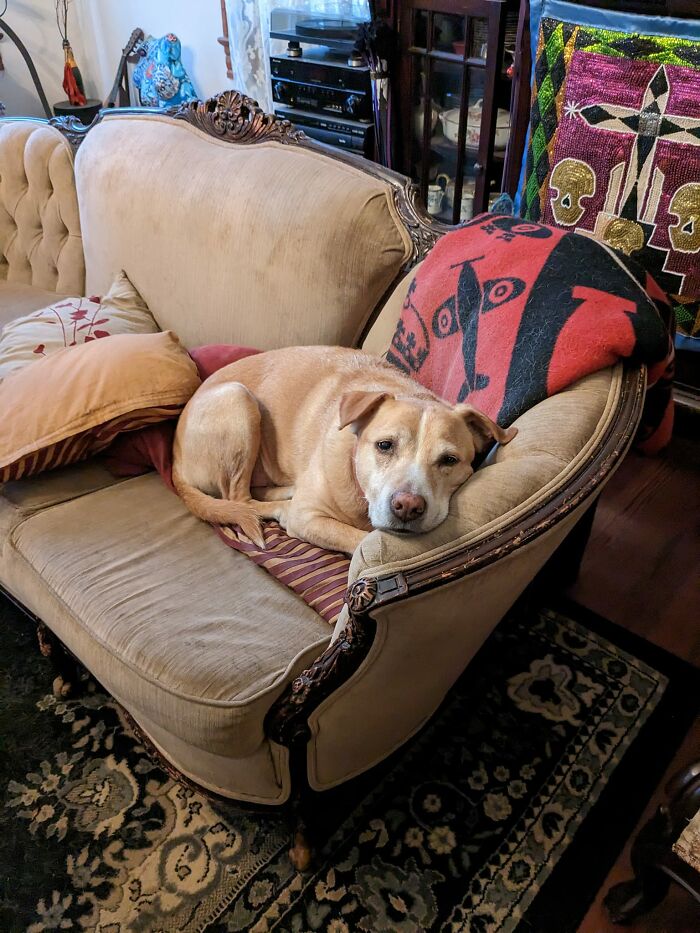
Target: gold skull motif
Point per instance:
(572, 180)
(685, 205)
(625, 235)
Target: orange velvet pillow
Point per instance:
(71, 404)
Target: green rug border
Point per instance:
(568, 893)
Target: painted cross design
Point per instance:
(650, 123)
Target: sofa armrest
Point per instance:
(554, 442)
(413, 623)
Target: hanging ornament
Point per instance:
(72, 79)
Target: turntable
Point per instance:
(334, 32)
(327, 29)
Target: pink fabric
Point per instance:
(318, 576)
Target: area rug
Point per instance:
(503, 814)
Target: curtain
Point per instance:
(249, 37)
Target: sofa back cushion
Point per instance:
(40, 240)
(267, 245)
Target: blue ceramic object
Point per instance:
(160, 77)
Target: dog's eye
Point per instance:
(448, 460)
(384, 446)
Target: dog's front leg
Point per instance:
(275, 510)
(322, 530)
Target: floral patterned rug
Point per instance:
(503, 814)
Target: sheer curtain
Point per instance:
(249, 36)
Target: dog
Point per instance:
(333, 442)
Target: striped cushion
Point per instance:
(72, 403)
(86, 444)
(318, 576)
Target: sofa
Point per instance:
(237, 229)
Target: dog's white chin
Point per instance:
(421, 526)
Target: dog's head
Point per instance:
(412, 454)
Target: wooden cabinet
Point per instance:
(456, 67)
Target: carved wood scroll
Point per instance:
(287, 719)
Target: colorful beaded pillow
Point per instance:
(614, 143)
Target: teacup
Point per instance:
(435, 197)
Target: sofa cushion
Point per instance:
(40, 242)
(16, 300)
(268, 245)
(75, 401)
(181, 629)
(23, 497)
(64, 322)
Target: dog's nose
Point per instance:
(407, 506)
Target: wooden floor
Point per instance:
(642, 571)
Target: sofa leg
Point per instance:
(301, 854)
(67, 678)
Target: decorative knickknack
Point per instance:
(72, 79)
(160, 77)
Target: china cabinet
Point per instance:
(459, 66)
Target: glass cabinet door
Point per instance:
(455, 135)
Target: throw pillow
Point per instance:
(614, 142)
(74, 321)
(72, 403)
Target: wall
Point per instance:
(99, 29)
(34, 21)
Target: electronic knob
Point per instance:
(281, 93)
(351, 102)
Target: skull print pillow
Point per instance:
(614, 143)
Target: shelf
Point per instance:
(452, 57)
(445, 148)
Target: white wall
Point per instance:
(34, 21)
(98, 30)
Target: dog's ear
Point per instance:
(357, 406)
(485, 430)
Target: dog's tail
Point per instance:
(221, 511)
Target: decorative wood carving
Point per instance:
(287, 719)
(360, 595)
(73, 129)
(238, 119)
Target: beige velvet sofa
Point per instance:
(236, 230)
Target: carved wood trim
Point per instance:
(286, 721)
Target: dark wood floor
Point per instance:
(642, 571)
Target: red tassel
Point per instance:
(70, 86)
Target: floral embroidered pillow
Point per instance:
(74, 321)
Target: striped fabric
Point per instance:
(85, 444)
(318, 576)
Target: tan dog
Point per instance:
(348, 442)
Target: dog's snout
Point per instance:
(407, 506)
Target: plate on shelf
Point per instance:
(444, 145)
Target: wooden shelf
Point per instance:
(447, 149)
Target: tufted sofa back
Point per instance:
(40, 240)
